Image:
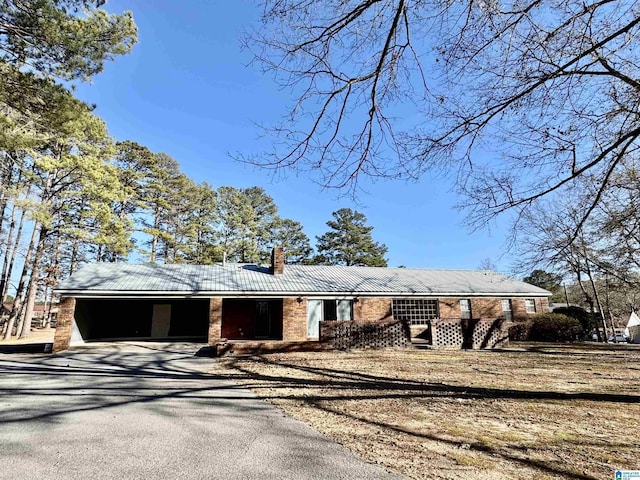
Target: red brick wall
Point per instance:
(294, 319)
(449, 307)
(542, 305)
(372, 309)
(520, 310)
(517, 306)
(64, 324)
(486, 308)
(215, 320)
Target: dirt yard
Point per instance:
(37, 335)
(524, 413)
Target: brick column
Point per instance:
(294, 319)
(277, 261)
(215, 320)
(64, 324)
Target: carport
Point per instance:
(142, 319)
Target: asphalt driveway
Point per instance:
(151, 412)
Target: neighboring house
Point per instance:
(40, 312)
(554, 305)
(111, 301)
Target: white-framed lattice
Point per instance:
(417, 311)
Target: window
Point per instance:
(323, 310)
(465, 308)
(506, 309)
(530, 305)
(329, 310)
(418, 311)
(337, 310)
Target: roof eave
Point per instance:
(279, 294)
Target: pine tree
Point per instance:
(289, 235)
(349, 242)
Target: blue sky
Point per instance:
(187, 89)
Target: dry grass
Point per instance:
(542, 412)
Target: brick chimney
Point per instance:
(277, 261)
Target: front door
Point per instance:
(262, 326)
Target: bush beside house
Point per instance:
(588, 321)
(547, 327)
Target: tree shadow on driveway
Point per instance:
(46, 387)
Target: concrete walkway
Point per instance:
(151, 412)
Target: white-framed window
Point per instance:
(530, 305)
(418, 311)
(506, 308)
(465, 308)
(341, 310)
(326, 310)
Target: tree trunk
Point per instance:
(4, 279)
(7, 179)
(154, 237)
(49, 305)
(73, 261)
(607, 303)
(33, 283)
(51, 283)
(597, 297)
(589, 300)
(14, 252)
(22, 312)
(17, 302)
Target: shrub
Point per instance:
(520, 331)
(554, 327)
(588, 321)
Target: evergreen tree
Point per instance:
(66, 39)
(247, 223)
(349, 242)
(234, 214)
(202, 222)
(548, 281)
(288, 234)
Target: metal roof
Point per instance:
(232, 279)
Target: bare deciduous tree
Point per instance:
(517, 99)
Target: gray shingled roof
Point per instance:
(239, 279)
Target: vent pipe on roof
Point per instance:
(224, 258)
(277, 261)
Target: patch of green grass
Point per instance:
(470, 460)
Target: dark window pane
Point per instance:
(329, 308)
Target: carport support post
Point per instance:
(215, 320)
(64, 325)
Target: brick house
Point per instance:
(275, 303)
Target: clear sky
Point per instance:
(187, 89)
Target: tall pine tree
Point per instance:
(349, 242)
